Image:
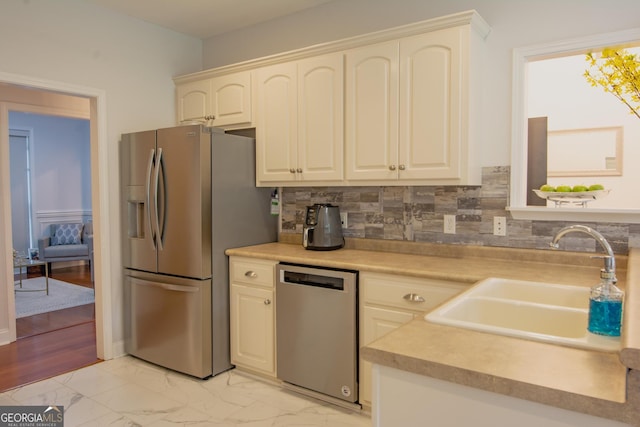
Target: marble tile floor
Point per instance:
(129, 392)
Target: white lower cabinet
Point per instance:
(411, 400)
(388, 302)
(252, 311)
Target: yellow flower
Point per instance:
(617, 72)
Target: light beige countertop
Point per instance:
(585, 381)
(446, 262)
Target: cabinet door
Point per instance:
(193, 100)
(372, 112)
(376, 322)
(252, 328)
(320, 118)
(231, 99)
(430, 105)
(276, 123)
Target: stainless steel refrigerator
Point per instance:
(188, 194)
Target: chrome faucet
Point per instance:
(609, 259)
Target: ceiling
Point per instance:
(206, 18)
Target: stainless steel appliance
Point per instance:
(188, 194)
(322, 228)
(316, 326)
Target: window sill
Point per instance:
(629, 216)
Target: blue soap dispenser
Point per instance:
(605, 300)
(605, 306)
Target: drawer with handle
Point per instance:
(252, 271)
(411, 293)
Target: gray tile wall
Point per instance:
(416, 214)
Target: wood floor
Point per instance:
(52, 343)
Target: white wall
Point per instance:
(132, 62)
(514, 23)
(61, 168)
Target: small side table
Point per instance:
(19, 263)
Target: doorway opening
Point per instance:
(21, 91)
(50, 185)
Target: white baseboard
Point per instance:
(118, 349)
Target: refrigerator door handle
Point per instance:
(156, 184)
(152, 155)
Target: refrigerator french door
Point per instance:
(167, 190)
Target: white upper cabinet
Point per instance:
(231, 99)
(371, 101)
(407, 110)
(299, 126)
(431, 120)
(193, 101)
(320, 118)
(223, 101)
(277, 123)
(394, 107)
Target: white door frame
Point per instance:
(100, 207)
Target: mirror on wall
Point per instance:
(568, 133)
(588, 152)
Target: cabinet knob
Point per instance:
(267, 301)
(401, 167)
(392, 167)
(299, 170)
(251, 274)
(413, 297)
(292, 170)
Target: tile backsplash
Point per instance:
(416, 214)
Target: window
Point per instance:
(563, 129)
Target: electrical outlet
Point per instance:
(450, 224)
(500, 225)
(343, 219)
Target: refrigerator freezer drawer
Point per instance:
(170, 322)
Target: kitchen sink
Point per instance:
(536, 311)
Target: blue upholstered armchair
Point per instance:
(68, 242)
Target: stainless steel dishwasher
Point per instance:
(316, 327)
